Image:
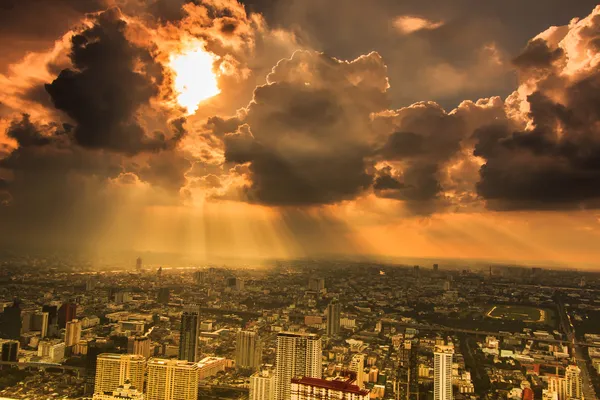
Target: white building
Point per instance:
(298, 355)
(114, 370)
(72, 332)
(262, 385)
(574, 383)
(172, 380)
(442, 376)
(357, 365)
(210, 366)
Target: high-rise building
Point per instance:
(316, 285)
(436, 267)
(10, 322)
(188, 339)
(113, 370)
(408, 374)
(172, 380)
(248, 350)
(262, 385)
(557, 386)
(298, 355)
(442, 375)
(574, 383)
(357, 366)
(39, 322)
(73, 332)
(10, 350)
(139, 345)
(138, 264)
(66, 313)
(123, 392)
(163, 295)
(95, 347)
(320, 389)
(333, 318)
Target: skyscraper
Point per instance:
(138, 264)
(298, 355)
(73, 332)
(442, 378)
(139, 345)
(10, 322)
(248, 350)
(39, 322)
(262, 385)
(357, 365)
(113, 370)
(333, 318)
(66, 313)
(188, 339)
(172, 380)
(574, 383)
(408, 374)
(163, 295)
(10, 350)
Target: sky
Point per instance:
(303, 128)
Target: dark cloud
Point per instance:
(306, 133)
(112, 79)
(538, 54)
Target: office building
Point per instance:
(10, 322)
(73, 333)
(40, 322)
(573, 382)
(343, 388)
(172, 380)
(10, 351)
(248, 350)
(298, 355)
(357, 366)
(188, 338)
(123, 392)
(442, 378)
(408, 374)
(113, 370)
(67, 312)
(262, 385)
(333, 318)
(139, 345)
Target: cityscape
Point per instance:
(303, 329)
(300, 199)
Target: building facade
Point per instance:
(442, 378)
(172, 380)
(188, 339)
(298, 355)
(248, 350)
(114, 370)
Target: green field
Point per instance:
(518, 313)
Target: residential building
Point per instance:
(113, 370)
(442, 379)
(298, 355)
(172, 380)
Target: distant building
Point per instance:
(172, 380)
(436, 267)
(114, 370)
(357, 366)
(320, 389)
(442, 379)
(10, 350)
(163, 295)
(188, 339)
(211, 366)
(298, 354)
(248, 350)
(316, 285)
(40, 322)
(333, 318)
(123, 392)
(139, 345)
(73, 333)
(138, 264)
(10, 322)
(262, 385)
(67, 312)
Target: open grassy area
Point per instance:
(518, 313)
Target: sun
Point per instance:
(194, 79)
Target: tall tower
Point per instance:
(333, 318)
(138, 264)
(188, 339)
(172, 380)
(248, 350)
(112, 370)
(442, 379)
(10, 322)
(298, 355)
(73, 333)
(574, 383)
(66, 313)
